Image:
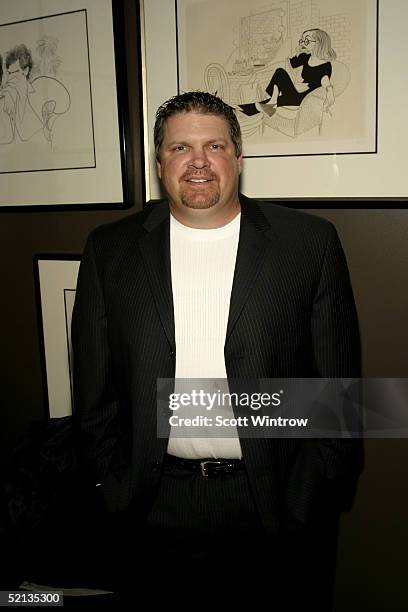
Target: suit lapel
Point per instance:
(155, 250)
(252, 247)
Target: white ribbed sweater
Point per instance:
(202, 271)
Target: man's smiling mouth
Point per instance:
(196, 180)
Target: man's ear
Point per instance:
(240, 161)
(158, 168)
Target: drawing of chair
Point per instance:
(234, 90)
(217, 82)
(295, 120)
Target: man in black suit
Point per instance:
(212, 284)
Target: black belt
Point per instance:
(208, 468)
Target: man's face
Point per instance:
(198, 165)
(16, 74)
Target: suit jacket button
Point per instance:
(172, 353)
(156, 466)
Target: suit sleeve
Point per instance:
(324, 476)
(95, 399)
(337, 354)
(334, 323)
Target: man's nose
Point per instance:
(198, 158)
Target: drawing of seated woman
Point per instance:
(314, 55)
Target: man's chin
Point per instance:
(199, 201)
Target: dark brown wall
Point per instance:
(373, 543)
(21, 236)
(374, 536)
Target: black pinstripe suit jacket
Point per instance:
(292, 314)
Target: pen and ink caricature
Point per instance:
(30, 106)
(46, 113)
(283, 86)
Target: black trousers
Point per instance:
(288, 94)
(205, 536)
(203, 541)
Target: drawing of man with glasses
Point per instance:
(314, 55)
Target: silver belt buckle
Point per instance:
(203, 464)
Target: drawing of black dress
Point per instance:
(288, 94)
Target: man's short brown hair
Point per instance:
(196, 102)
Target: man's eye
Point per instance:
(215, 146)
(180, 148)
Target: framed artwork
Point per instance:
(64, 137)
(56, 279)
(310, 82)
